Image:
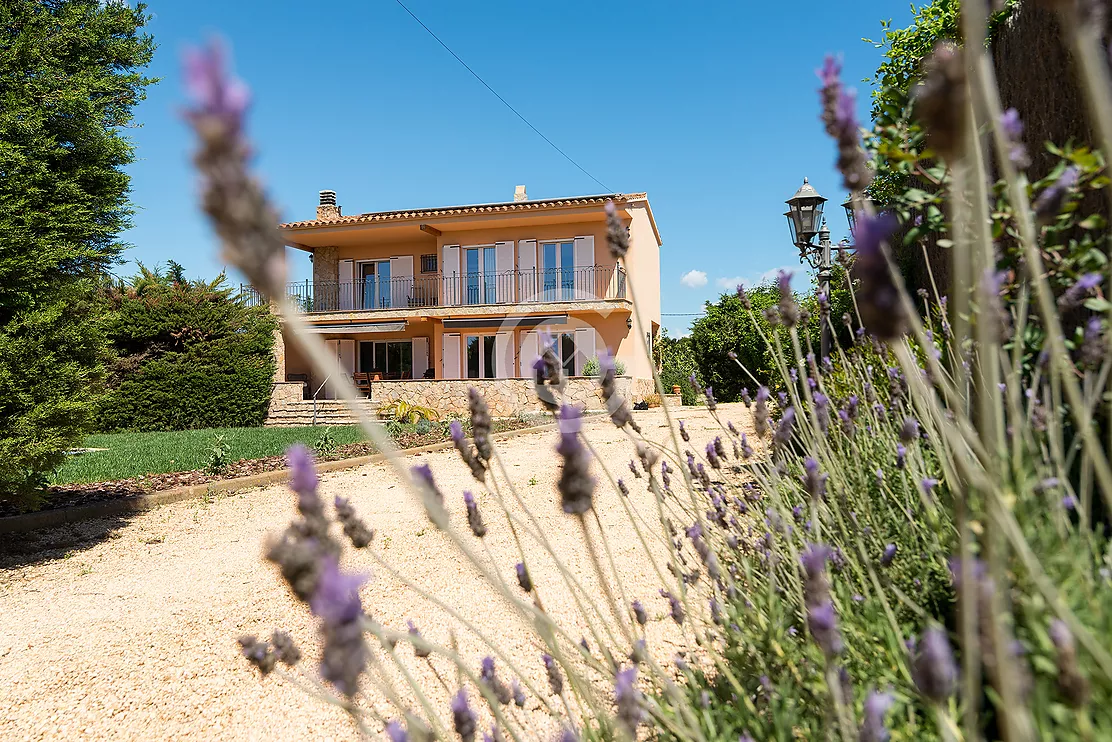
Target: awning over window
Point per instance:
(372, 327)
(525, 321)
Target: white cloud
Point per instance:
(731, 282)
(694, 279)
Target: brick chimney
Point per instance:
(327, 208)
(519, 193)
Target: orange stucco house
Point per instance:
(472, 292)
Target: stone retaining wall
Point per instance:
(505, 397)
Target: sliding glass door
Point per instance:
(480, 269)
(558, 270)
(480, 357)
(390, 359)
(374, 281)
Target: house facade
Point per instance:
(472, 293)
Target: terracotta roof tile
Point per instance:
(407, 215)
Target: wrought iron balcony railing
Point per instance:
(584, 283)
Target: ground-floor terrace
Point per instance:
(430, 359)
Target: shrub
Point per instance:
(676, 361)
(592, 367)
(652, 400)
(188, 355)
(405, 412)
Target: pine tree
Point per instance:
(70, 75)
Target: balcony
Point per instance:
(585, 283)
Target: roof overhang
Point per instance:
(363, 327)
(508, 323)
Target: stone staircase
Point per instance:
(329, 412)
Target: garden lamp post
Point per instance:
(805, 222)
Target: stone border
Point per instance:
(61, 516)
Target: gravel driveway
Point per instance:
(126, 629)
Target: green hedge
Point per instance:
(189, 355)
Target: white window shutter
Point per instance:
(347, 356)
(529, 352)
(526, 270)
(451, 356)
(584, 267)
(420, 357)
(584, 347)
(504, 266)
(401, 281)
(450, 271)
(346, 288)
(333, 352)
(504, 355)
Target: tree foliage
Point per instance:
(69, 79)
(188, 354)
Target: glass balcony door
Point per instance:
(558, 271)
(374, 282)
(391, 359)
(480, 271)
(480, 356)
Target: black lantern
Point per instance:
(852, 207)
(804, 214)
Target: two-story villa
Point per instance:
(472, 292)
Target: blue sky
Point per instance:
(710, 107)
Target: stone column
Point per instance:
(326, 273)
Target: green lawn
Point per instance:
(134, 454)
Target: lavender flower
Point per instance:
(875, 708)
(933, 668)
(233, 199)
(523, 578)
(940, 99)
(1013, 131)
(712, 405)
(474, 517)
(683, 433)
(822, 411)
(784, 429)
(284, 648)
(548, 378)
(760, 414)
(743, 298)
(518, 693)
(628, 700)
(745, 397)
(1050, 201)
(622, 488)
(1081, 290)
(258, 653)
(463, 718)
(1092, 351)
(909, 431)
(304, 479)
(746, 449)
(639, 612)
(719, 447)
(617, 236)
(674, 605)
(354, 528)
(881, 310)
(839, 116)
(576, 485)
(813, 481)
(466, 452)
(336, 603)
(615, 403)
(901, 456)
(431, 495)
(888, 555)
(555, 679)
(490, 678)
(634, 470)
(712, 457)
(1072, 684)
(418, 650)
(823, 623)
(480, 424)
(396, 732)
(789, 310)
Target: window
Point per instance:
(558, 270)
(480, 275)
(392, 359)
(480, 357)
(373, 287)
(428, 263)
(563, 345)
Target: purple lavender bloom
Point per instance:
(622, 488)
(813, 481)
(901, 456)
(784, 430)
(929, 485)
(456, 431)
(746, 449)
(933, 668)
(745, 397)
(1073, 685)
(789, 310)
(617, 236)
(568, 734)
(1081, 289)
(633, 468)
(336, 602)
(555, 679)
(683, 433)
(1092, 350)
(872, 726)
(518, 693)
(823, 622)
(576, 485)
(523, 578)
(881, 310)
(797, 513)
(416, 634)
(337, 598)
(474, 517)
(431, 495)
(489, 676)
(1069, 502)
(628, 700)
(712, 457)
(760, 414)
(674, 605)
(639, 612)
(1013, 131)
(814, 560)
(396, 732)
(709, 394)
(840, 117)
(888, 555)
(909, 431)
(783, 396)
(304, 479)
(743, 297)
(822, 410)
(1050, 201)
(463, 718)
(216, 93)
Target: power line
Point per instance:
(504, 101)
